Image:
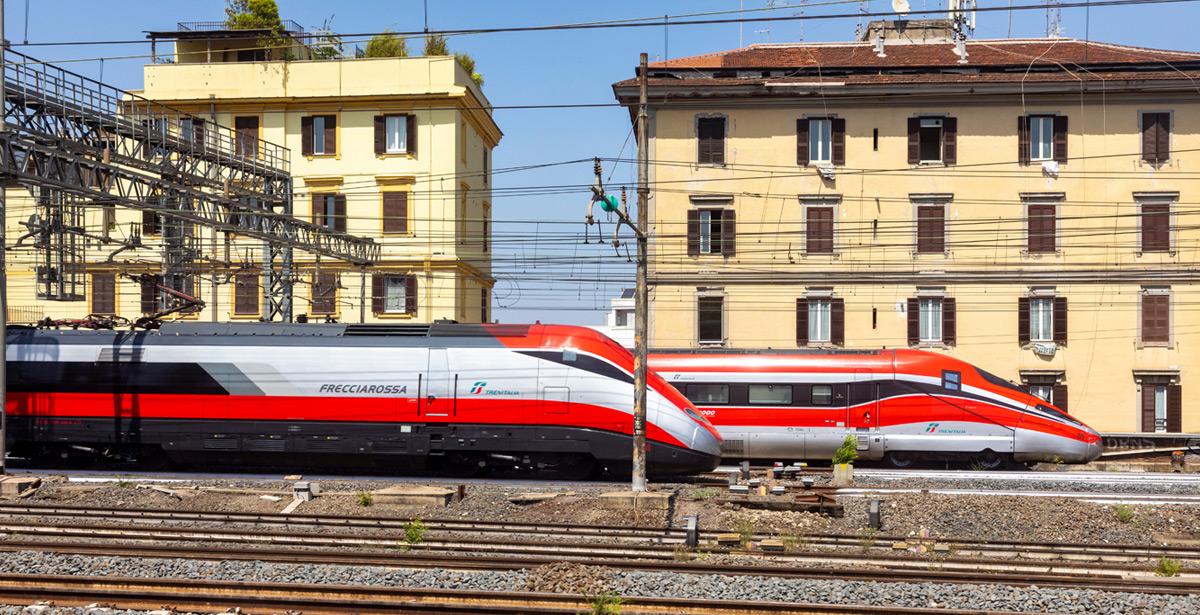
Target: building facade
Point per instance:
(394, 149)
(1023, 205)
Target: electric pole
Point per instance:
(3, 264)
(641, 301)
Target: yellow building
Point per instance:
(1024, 205)
(394, 149)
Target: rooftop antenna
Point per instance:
(862, 10)
(962, 21)
(1054, 27)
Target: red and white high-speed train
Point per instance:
(900, 405)
(449, 395)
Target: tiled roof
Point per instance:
(921, 78)
(980, 53)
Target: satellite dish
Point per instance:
(900, 6)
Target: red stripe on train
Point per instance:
(328, 409)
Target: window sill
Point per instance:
(397, 155)
(394, 315)
(711, 344)
(930, 163)
(406, 235)
(1040, 254)
(246, 316)
(312, 157)
(927, 345)
(1141, 253)
(713, 165)
(916, 254)
(1167, 345)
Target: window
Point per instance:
(952, 381)
(245, 294)
(818, 321)
(1156, 226)
(822, 394)
(770, 394)
(395, 212)
(931, 229)
(318, 135)
(394, 294)
(150, 296)
(818, 230)
(1156, 137)
(246, 139)
(707, 394)
(711, 231)
(395, 134)
(1045, 392)
(1161, 404)
(1041, 319)
(485, 297)
(710, 316)
(252, 55)
(487, 166)
(1042, 231)
(192, 131)
(820, 140)
(329, 211)
(931, 320)
(624, 318)
(710, 136)
(930, 138)
(1156, 316)
(324, 293)
(1041, 137)
(485, 227)
(396, 130)
(104, 293)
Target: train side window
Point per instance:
(822, 395)
(951, 381)
(568, 355)
(706, 394)
(770, 394)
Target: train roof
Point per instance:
(770, 351)
(266, 329)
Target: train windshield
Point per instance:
(998, 381)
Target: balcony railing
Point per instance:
(216, 26)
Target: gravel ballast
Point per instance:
(624, 583)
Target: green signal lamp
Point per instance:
(609, 203)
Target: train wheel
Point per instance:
(900, 459)
(990, 460)
(577, 467)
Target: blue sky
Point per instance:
(565, 67)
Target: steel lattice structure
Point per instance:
(74, 135)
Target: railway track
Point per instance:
(641, 540)
(210, 596)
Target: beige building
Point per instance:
(1024, 205)
(393, 149)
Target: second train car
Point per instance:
(901, 406)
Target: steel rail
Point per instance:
(465, 559)
(313, 599)
(657, 535)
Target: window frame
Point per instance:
(832, 206)
(1046, 318)
(1041, 120)
(711, 296)
(710, 233)
(1170, 129)
(918, 206)
(933, 321)
(954, 377)
(233, 295)
(687, 392)
(941, 139)
(389, 278)
(723, 138)
(402, 121)
(1054, 203)
(327, 219)
(114, 280)
(1156, 200)
(818, 139)
(333, 299)
(770, 386)
(1155, 291)
(812, 395)
(816, 302)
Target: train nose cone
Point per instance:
(1095, 447)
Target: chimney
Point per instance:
(910, 31)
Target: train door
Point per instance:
(863, 415)
(438, 400)
(827, 408)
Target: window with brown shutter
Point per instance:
(393, 294)
(1174, 408)
(802, 157)
(728, 232)
(1060, 138)
(914, 140)
(151, 223)
(1060, 321)
(150, 302)
(931, 229)
(1156, 318)
(710, 133)
(329, 211)
(929, 138)
(711, 231)
(485, 297)
(324, 293)
(1148, 394)
(1156, 137)
(950, 140)
(1059, 397)
(1023, 321)
(913, 309)
(837, 321)
(1023, 144)
(392, 134)
(1156, 227)
(246, 294)
(104, 293)
(818, 230)
(802, 322)
(949, 321)
(318, 135)
(839, 141)
(395, 212)
(1042, 228)
(246, 138)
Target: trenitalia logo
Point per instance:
(477, 388)
(931, 428)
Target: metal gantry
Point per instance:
(71, 135)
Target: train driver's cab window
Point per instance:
(704, 394)
(822, 394)
(952, 381)
(770, 394)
